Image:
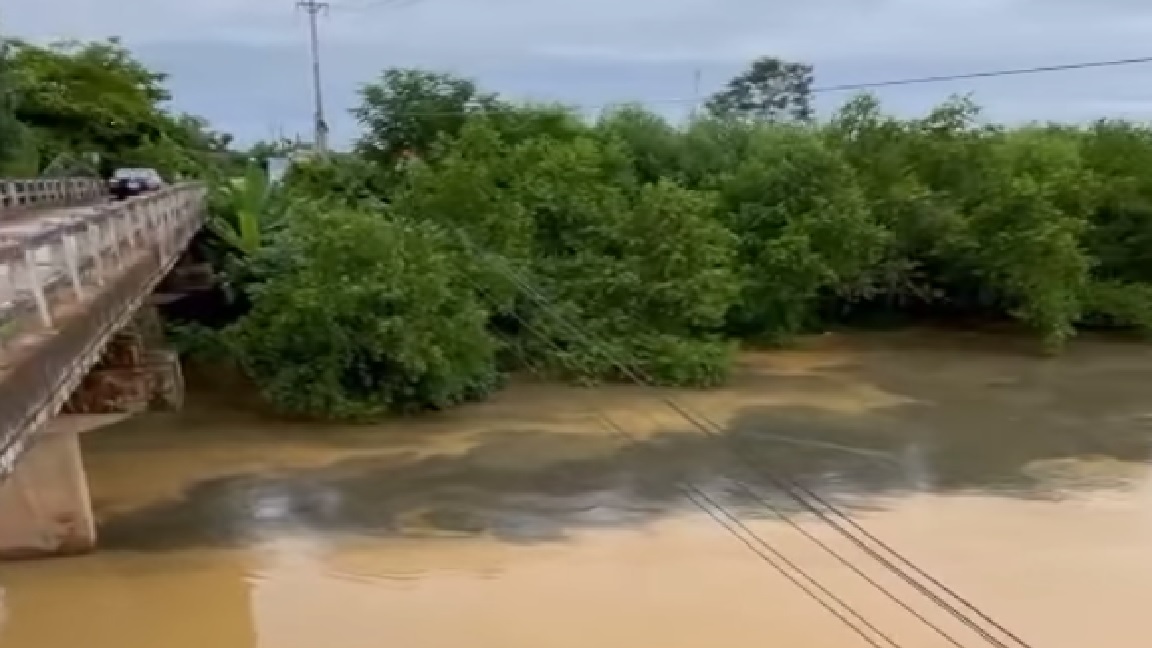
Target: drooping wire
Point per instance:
(784, 485)
(767, 504)
(754, 542)
(789, 487)
(692, 492)
(694, 419)
(908, 563)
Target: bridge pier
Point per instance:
(45, 509)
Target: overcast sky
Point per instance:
(244, 63)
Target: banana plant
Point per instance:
(243, 211)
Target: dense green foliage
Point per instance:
(470, 235)
(364, 315)
(71, 106)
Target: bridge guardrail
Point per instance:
(20, 194)
(65, 289)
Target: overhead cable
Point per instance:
(755, 543)
(696, 420)
(845, 87)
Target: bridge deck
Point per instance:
(69, 279)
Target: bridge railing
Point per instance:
(65, 289)
(19, 194)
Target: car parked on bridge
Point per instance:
(126, 183)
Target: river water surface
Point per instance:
(523, 522)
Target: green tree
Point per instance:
(78, 98)
(804, 226)
(348, 180)
(770, 89)
(364, 315)
(13, 135)
(406, 111)
(87, 97)
(652, 303)
(1027, 227)
(656, 147)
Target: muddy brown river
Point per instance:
(522, 522)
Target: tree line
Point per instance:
(467, 236)
(89, 107)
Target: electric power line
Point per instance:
(755, 543)
(694, 419)
(985, 75)
(717, 433)
(846, 87)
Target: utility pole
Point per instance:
(313, 9)
(695, 93)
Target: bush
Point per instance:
(560, 238)
(366, 314)
(804, 230)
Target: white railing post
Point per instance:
(136, 214)
(7, 278)
(114, 239)
(171, 221)
(7, 287)
(73, 261)
(32, 276)
(124, 224)
(176, 219)
(96, 243)
(132, 217)
(159, 229)
(8, 266)
(139, 218)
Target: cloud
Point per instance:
(243, 63)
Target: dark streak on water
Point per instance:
(526, 485)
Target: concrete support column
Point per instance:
(45, 509)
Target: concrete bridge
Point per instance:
(76, 341)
